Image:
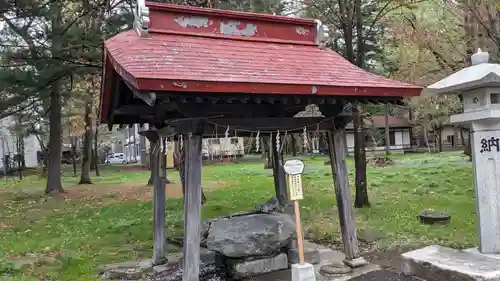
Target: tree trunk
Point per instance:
(20, 156)
(387, 133)
(96, 149)
(54, 185)
(361, 198)
(73, 154)
(263, 149)
(439, 132)
(426, 138)
(87, 146)
(468, 148)
(268, 147)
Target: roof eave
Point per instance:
(152, 84)
(490, 80)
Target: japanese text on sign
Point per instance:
(487, 145)
(295, 187)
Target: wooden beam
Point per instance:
(279, 173)
(210, 110)
(148, 97)
(253, 124)
(192, 209)
(336, 145)
(159, 197)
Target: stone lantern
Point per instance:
(479, 89)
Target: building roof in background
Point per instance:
(379, 122)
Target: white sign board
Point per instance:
(295, 187)
(294, 167)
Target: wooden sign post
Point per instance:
(294, 169)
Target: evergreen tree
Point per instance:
(357, 28)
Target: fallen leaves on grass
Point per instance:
(132, 192)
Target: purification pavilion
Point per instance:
(196, 72)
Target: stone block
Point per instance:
(311, 254)
(303, 272)
(160, 269)
(207, 257)
(130, 270)
(251, 235)
(436, 263)
(241, 269)
(357, 262)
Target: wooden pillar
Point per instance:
(336, 146)
(192, 208)
(279, 174)
(159, 197)
(152, 138)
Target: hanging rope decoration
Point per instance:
(279, 145)
(161, 144)
(257, 142)
(181, 142)
(283, 143)
(249, 145)
(278, 141)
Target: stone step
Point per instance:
(436, 263)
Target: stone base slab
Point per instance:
(436, 263)
(131, 270)
(244, 269)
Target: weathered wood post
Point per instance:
(336, 146)
(192, 208)
(152, 138)
(159, 197)
(279, 173)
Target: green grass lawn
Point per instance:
(112, 220)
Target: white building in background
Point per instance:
(400, 134)
(9, 146)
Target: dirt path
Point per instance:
(132, 191)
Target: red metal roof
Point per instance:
(203, 50)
